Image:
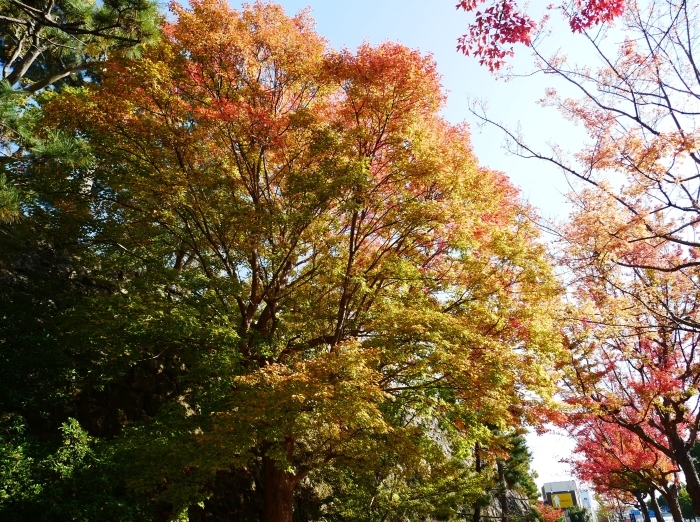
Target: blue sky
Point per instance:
(432, 26)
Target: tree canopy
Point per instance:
(254, 259)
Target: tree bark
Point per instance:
(503, 490)
(655, 505)
(478, 466)
(642, 506)
(21, 68)
(682, 458)
(674, 506)
(279, 488)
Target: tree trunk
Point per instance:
(655, 505)
(685, 462)
(672, 500)
(642, 506)
(279, 488)
(503, 490)
(476, 517)
(478, 466)
(692, 482)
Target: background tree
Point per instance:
(518, 473)
(42, 42)
(632, 367)
(503, 468)
(55, 43)
(59, 296)
(579, 514)
(632, 239)
(613, 504)
(550, 514)
(613, 458)
(9, 201)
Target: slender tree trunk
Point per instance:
(642, 506)
(655, 505)
(478, 466)
(279, 489)
(503, 490)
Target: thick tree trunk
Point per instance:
(642, 506)
(682, 457)
(279, 489)
(672, 500)
(655, 506)
(681, 454)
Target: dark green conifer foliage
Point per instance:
(44, 41)
(579, 514)
(518, 474)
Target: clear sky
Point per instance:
(432, 26)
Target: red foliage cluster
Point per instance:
(596, 12)
(550, 514)
(614, 458)
(490, 36)
(500, 25)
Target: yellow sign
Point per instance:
(562, 500)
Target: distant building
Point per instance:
(587, 502)
(565, 494)
(561, 495)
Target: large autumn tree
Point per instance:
(379, 297)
